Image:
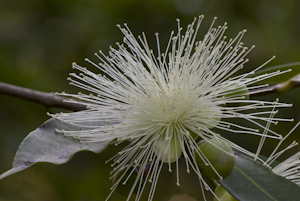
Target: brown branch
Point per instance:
(278, 88)
(52, 100)
(44, 98)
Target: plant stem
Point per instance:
(47, 99)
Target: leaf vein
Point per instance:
(255, 184)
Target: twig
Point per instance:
(44, 98)
(51, 100)
(278, 88)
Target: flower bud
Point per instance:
(223, 195)
(237, 90)
(168, 149)
(216, 152)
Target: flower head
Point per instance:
(163, 102)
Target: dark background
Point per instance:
(39, 39)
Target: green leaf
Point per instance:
(280, 78)
(45, 145)
(250, 181)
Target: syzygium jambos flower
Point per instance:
(160, 102)
(289, 168)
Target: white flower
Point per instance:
(289, 168)
(162, 104)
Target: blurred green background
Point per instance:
(39, 39)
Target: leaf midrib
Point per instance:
(252, 181)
